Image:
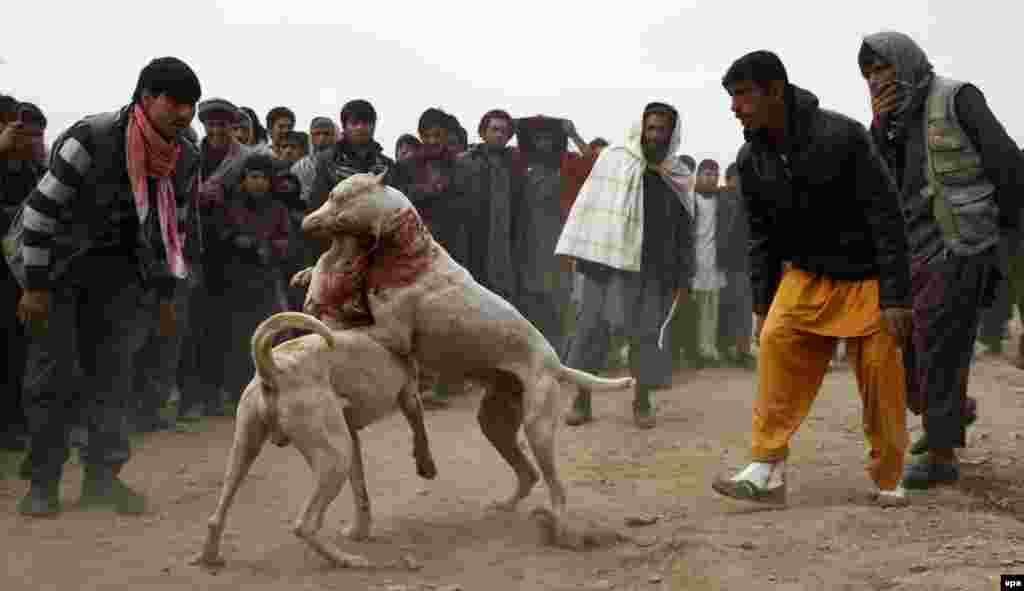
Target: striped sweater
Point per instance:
(85, 203)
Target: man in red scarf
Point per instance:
(103, 244)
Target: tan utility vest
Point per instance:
(962, 196)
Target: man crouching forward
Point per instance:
(829, 260)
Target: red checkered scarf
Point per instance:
(150, 155)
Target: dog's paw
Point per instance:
(573, 536)
(204, 561)
(426, 468)
(344, 560)
(302, 278)
(504, 506)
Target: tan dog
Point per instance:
(424, 304)
(316, 392)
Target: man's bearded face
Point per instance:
(658, 128)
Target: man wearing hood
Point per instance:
(829, 260)
(631, 236)
(356, 152)
(961, 177)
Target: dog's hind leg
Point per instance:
(327, 446)
(412, 407)
(360, 528)
(250, 435)
(540, 425)
(500, 416)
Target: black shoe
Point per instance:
(926, 474)
(41, 500)
(643, 410)
(920, 446)
(102, 489)
(191, 415)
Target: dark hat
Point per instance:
(321, 123)
(707, 165)
(360, 110)
(493, 114)
(32, 114)
(215, 107)
(170, 76)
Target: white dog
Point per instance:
(316, 392)
(425, 305)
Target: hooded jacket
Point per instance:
(905, 153)
(825, 202)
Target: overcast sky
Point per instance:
(595, 62)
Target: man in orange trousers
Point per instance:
(829, 261)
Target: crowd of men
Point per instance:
(140, 258)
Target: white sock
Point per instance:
(762, 474)
(899, 491)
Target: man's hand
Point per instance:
(568, 264)
(706, 188)
(168, 319)
(34, 307)
(889, 97)
(682, 295)
(898, 322)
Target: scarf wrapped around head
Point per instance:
(150, 155)
(605, 224)
(914, 74)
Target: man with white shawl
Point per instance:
(630, 232)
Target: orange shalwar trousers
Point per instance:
(808, 315)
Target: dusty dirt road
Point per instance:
(830, 537)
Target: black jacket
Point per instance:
(824, 202)
(339, 162)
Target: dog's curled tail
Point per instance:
(593, 383)
(263, 338)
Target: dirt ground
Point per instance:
(441, 532)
